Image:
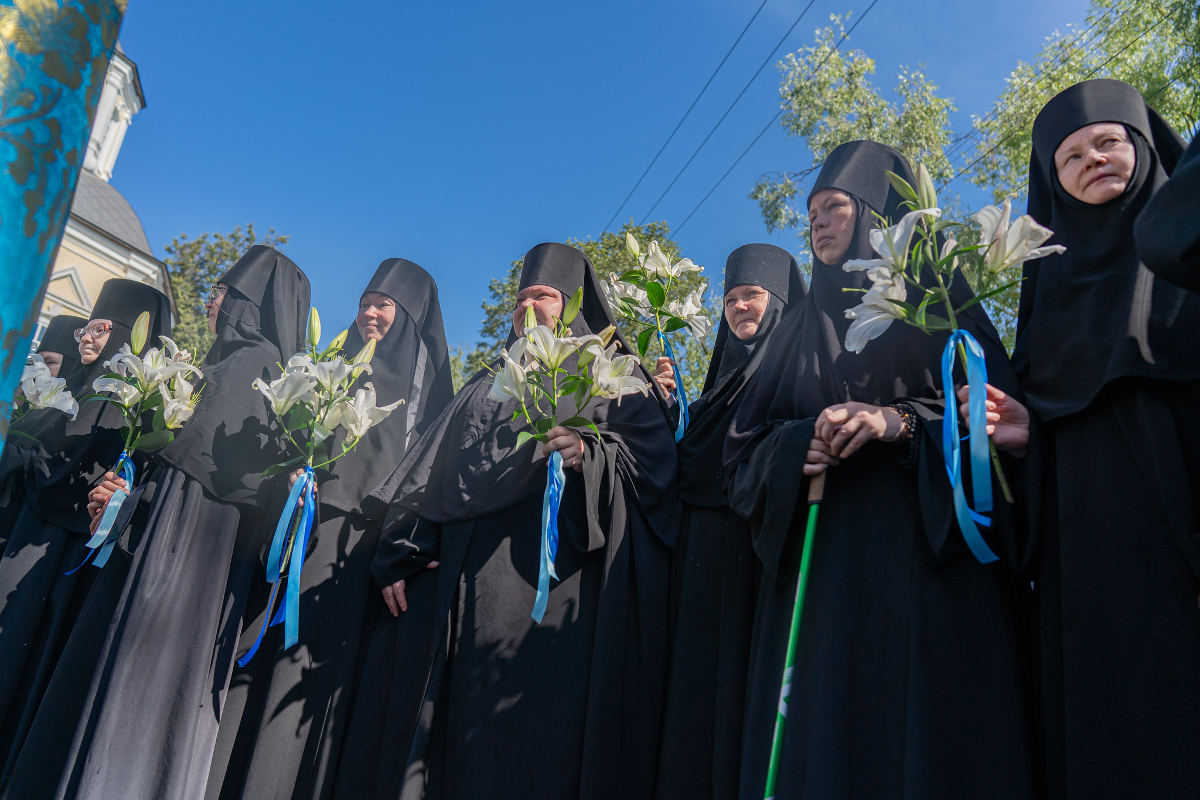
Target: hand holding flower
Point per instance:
(569, 445)
(664, 376)
(1007, 419)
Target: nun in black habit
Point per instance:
(146, 725)
(41, 592)
(905, 684)
(1168, 229)
(1108, 360)
(715, 572)
(286, 741)
(60, 352)
(464, 695)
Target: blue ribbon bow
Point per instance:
(291, 536)
(981, 468)
(680, 394)
(555, 480)
(105, 538)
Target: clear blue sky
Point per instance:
(460, 135)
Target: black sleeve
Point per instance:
(1168, 229)
(406, 546)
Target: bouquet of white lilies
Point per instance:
(40, 389)
(311, 399)
(909, 250)
(154, 382)
(645, 297)
(533, 373)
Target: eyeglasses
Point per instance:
(215, 293)
(95, 330)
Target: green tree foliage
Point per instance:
(1151, 44)
(193, 265)
(827, 99)
(609, 255)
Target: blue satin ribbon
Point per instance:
(297, 544)
(555, 481)
(981, 468)
(680, 394)
(104, 539)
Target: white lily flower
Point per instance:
(128, 394)
(698, 325)
(546, 348)
(300, 362)
(360, 414)
(891, 244)
(287, 390)
(612, 376)
(180, 402)
(616, 291)
(150, 370)
(173, 351)
(510, 380)
(1010, 245)
(43, 390)
(332, 374)
(658, 265)
(876, 313)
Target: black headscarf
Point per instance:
(466, 466)
(733, 363)
(233, 435)
(411, 362)
(60, 338)
(806, 367)
(74, 454)
(1093, 313)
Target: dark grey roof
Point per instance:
(103, 207)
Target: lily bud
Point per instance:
(339, 341)
(926, 194)
(607, 334)
(530, 318)
(632, 244)
(314, 327)
(366, 354)
(141, 329)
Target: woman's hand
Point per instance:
(1008, 420)
(664, 376)
(818, 459)
(848, 426)
(99, 495)
(394, 597)
(295, 476)
(568, 443)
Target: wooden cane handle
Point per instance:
(816, 488)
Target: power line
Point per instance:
(726, 114)
(773, 119)
(1020, 95)
(1020, 127)
(685, 116)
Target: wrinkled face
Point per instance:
(1096, 163)
(547, 304)
(376, 313)
(53, 361)
(93, 338)
(744, 309)
(213, 304)
(831, 217)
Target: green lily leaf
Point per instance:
(656, 294)
(643, 341)
(155, 440)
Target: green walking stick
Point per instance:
(816, 490)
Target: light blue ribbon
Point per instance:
(289, 610)
(105, 538)
(981, 468)
(555, 480)
(680, 394)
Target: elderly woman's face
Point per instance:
(1096, 162)
(546, 301)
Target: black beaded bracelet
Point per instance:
(908, 442)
